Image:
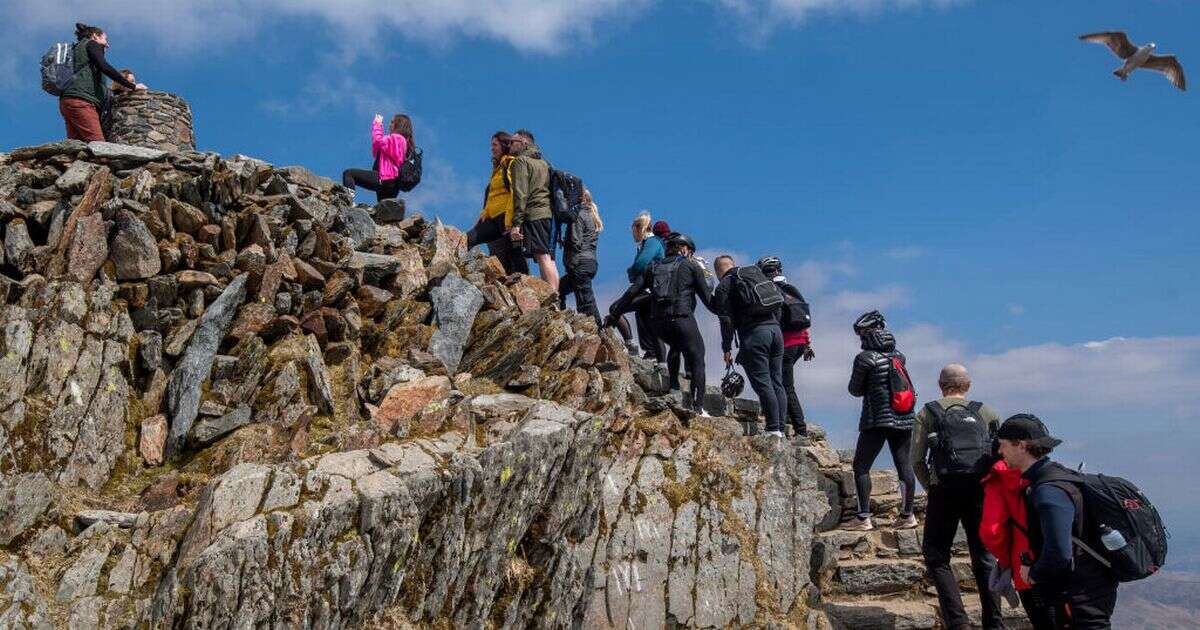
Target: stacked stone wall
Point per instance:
(152, 119)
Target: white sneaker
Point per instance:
(906, 522)
(704, 414)
(777, 434)
(858, 525)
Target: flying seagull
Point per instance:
(1136, 57)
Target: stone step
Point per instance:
(876, 576)
(899, 614)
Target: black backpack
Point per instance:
(963, 444)
(58, 68)
(410, 170)
(566, 195)
(664, 290)
(1113, 503)
(794, 316)
(756, 294)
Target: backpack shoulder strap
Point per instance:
(975, 406)
(939, 415)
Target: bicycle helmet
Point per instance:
(732, 383)
(770, 265)
(868, 321)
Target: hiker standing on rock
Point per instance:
(749, 304)
(496, 218)
(880, 378)
(579, 258)
(533, 219)
(794, 321)
(951, 452)
(81, 102)
(389, 150)
(649, 249)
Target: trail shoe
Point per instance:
(858, 525)
(906, 522)
(778, 434)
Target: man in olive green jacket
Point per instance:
(532, 216)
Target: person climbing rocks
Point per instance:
(674, 283)
(496, 217)
(796, 343)
(88, 94)
(389, 150)
(533, 222)
(880, 422)
(649, 249)
(760, 339)
(1081, 590)
(951, 452)
(579, 258)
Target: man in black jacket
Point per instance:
(674, 283)
(879, 423)
(1082, 591)
(761, 341)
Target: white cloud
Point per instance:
(1016, 310)
(763, 17)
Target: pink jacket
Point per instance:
(390, 149)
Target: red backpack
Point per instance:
(904, 396)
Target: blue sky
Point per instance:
(967, 166)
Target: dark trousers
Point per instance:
(622, 325)
(761, 356)
(1042, 615)
(491, 231)
(364, 178)
(794, 411)
(578, 280)
(647, 338)
(950, 503)
(683, 336)
(1084, 607)
(870, 443)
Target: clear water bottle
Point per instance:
(1111, 538)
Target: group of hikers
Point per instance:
(1061, 539)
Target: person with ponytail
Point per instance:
(579, 258)
(389, 151)
(88, 93)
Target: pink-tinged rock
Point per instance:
(251, 319)
(411, 277)
(531, 293)
(153, 438)
(89, 248)
(406, 400)
(192, 279)
(589, 345)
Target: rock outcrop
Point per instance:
(229, 398)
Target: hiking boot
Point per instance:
(632, 348)
(906, 522)
(778, 434)
(858, 525)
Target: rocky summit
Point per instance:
(229, 399)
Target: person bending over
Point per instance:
(88, 93)
(388, 150)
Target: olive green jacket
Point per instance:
(530, 186)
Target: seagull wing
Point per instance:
(1168, 65)
(1116, 41)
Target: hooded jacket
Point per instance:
(530, 176)
(579, 245)
(498, 198)
(869, 379)
(389, 149)
(1003, 505)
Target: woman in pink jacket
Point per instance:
(389, 151)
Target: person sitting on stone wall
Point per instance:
(389, 151)
(87, 96)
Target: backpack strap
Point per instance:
(939, 414)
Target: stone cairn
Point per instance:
(157, 120)
(231, 398)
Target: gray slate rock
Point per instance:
(21, 606)
(23, 500)
(124, 520)
(43, 151)
(456, 302)
(357, 225)
(133, 251)
(183, 390)
(75, 178)
(209, 430)
(112, 150)
(17, 243)
(375, 267)
(318, 377)
(389, 211)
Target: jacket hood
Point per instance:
(532, 151)
(880, 340)
(1009, 479)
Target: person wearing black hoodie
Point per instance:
(879, 423)
(579, 258)
(674, 283)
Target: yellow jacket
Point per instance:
(498, 199)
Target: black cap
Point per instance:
(1027, 427)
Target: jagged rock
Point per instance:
(389, 211)
(134, 252)
(357, 225)
(318, 377)
(449, 245)
(76, 177)
(455, 304)
(210, 429)
(152, 439)
(186, 218)
(189, 279)
(89, 248)
(405, 400)
(531, 293)
(23, 500)
(43, 151)
(307, 275)
(126, 152)
(21, 606)
(410, 273)
(251, 319)
(374, 267)
(183, 390)
(87, 518)
(17, 244)
(338, 286)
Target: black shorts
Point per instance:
(538, 237)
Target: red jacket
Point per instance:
(1003, 503)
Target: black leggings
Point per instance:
(578, 280)
(795, 412)
(870, 443)
(683, 335)
(363, 178)
(491, 231)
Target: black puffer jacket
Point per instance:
(870, 381)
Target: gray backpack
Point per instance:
(58, 68)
